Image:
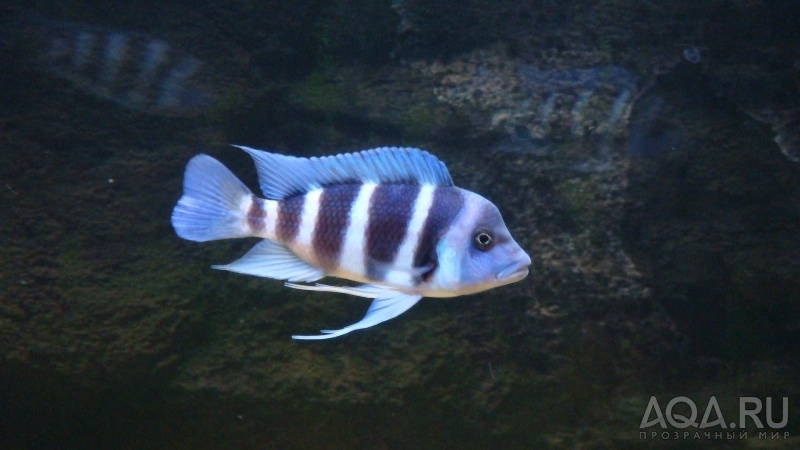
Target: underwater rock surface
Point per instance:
(531, 108)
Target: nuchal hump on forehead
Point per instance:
(390, 218)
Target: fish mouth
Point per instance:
(515, 271)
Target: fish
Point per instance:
(390, 218)
(135, 70)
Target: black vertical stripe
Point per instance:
(257, 215)
(390, 210)
(290, 213)
(447, 203)
(128, 67)
(332, 222)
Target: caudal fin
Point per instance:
(211, 204)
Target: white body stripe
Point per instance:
(115, 52)
(402, 271)
(173, 84)
(271, 206)
(154, 57)
(244, 206)
(352, 258)
(308, 221)
(83, 49)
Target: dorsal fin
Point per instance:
(281, 176)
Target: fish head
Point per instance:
(477, 252)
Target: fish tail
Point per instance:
(214, 203)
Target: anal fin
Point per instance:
(273, 260)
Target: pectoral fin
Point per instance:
(403, 276)
(388, 304)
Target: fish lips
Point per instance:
(514, 271)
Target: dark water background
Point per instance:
(645, 154)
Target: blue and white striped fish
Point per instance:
(135, 70)
(387, 217)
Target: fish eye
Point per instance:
(483, 239)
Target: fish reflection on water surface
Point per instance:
(140, 72)
(389, 217)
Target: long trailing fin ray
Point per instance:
(281, 176)
(383, 308)
(210, 206)
(272, 260)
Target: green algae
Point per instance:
(578, 199)
(320, 93)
